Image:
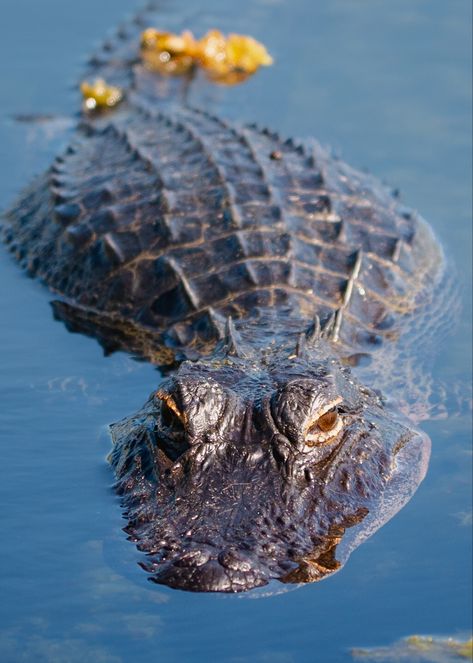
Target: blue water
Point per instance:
(389, 86)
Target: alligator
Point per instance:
(283, 295)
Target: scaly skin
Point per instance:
(259, 272)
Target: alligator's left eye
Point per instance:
(324, 428)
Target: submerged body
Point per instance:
(280, 289)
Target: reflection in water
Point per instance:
(85, 638)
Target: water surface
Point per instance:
(388, 86)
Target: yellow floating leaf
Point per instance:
(231, 59)
(420, 642)
(168, 53)
(183, 44)
(100, 95)
(246, 53)
(228, 60)
(464, 649)
(212, 52)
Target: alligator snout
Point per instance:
(202, 568)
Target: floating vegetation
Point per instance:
(167, 52)
(99, 95)
(415, 648)
(225, 59)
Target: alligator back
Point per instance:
(176, 219)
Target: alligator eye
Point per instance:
(171, 416)
(324, 429)
(328, 421)
(170, 419)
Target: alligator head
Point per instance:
(238, 471)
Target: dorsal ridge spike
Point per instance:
(233, 341)
(301, 345)
(314, 331)
(218, 323)
(357, 265)
(330, 324)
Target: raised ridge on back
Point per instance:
(182, 213)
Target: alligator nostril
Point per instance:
(234, 560)
(309, 475)
(192, 558)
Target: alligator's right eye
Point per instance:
(328, 421)
(171, 416)
(171, 427)
(325, 428)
